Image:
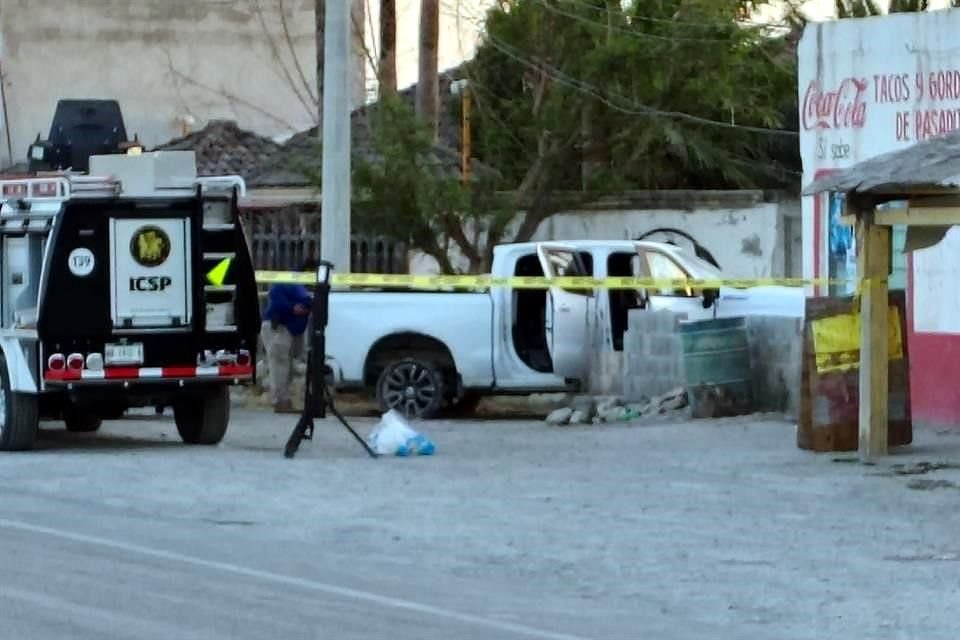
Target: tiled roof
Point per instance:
(301, 153)
(223, 148)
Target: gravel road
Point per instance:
(709, 529)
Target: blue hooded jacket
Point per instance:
(280, 303)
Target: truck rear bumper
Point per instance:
(228, 374)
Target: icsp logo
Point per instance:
(150, 246)
(150, 283)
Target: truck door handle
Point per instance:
(563, 307)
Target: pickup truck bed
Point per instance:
(372, 328)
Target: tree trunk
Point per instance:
(387, 73)
(320, 9)
(428, 82)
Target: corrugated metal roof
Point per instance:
(933, 164)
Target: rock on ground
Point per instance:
(559, 416)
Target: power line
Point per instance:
(635, 108)
(631, 32)
(665, 21)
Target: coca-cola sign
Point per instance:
(842, 108)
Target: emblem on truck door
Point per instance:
(81, 262)
(150, 246)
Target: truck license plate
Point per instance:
(123, 353)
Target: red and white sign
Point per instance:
(842, 108)
(868, 87)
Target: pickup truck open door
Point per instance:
(658, 265)
(567, 319)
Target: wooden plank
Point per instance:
(873, 265)
(919, 216)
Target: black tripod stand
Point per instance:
(316, 395)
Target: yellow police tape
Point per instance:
(472, 282)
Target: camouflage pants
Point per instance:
(282, 348)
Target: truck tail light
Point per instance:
(45, 189)
(15, 190)
(56, 362)
(75, 361)
(95, 361)
(243, 358)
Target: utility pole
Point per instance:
(335, 199)
(462, 88)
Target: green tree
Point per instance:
(407, 187)
(603, 96)
(580, 98)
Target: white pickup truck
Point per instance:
(424, 353)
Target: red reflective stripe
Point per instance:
(62, 374)
(132, 373)
(121, 372)
(236, 370)
(179, 372)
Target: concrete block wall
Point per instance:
(607, 370)
(651, 362)
(653, 354)
(776, 359)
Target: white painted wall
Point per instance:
(162, 60)
(936, 303)
(870, 86)
(748, 241)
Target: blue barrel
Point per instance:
(716, 367)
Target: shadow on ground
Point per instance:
(51, 438)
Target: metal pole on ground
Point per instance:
(335, 199)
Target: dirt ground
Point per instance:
(719, 529)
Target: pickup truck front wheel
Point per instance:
(413, 387)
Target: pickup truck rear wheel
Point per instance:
(203, 419)
(413, 387)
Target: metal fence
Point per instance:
(282, 239)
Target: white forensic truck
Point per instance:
(105, 300)
(425, 353)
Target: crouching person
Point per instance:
(284, 324)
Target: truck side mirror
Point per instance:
(709, 297)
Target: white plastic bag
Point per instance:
(393, 437)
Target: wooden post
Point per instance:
(873, 266)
